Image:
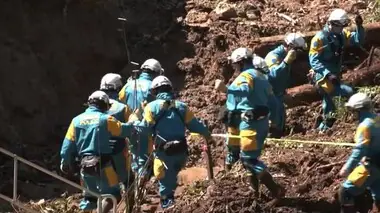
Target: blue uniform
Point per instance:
(89, 134)
(121, 158)
(168, 120)
(279, 76)
(249, 91)
(365, 175)
(135, 94)
(325, 57)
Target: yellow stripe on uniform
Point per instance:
(111, 176)
(316, 46)
(189, 115)
(248, 140)
(358, 176)
(122, 96)
(347, 35)
(70, 134)
(148, 115)
(158, 168)
(326, 85)
(233, 141)
(363, 135)
(113, 126)
(271, 59)
(245, 77)
(127, 113)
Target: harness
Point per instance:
(176, 146)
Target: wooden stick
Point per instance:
(330, 165)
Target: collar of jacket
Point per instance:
(365, 114)
(281, 49)
(113, 95)
(165, 96)
(250, 67)
(328, 32)
(93, 109)
(145, 76)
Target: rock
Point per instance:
(254, 15)
(357, 6)
(194, 16)
(225, 11)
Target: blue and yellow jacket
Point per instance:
(169, 124)
(134, 94)
(118, 110)
(367, 137)
(89, 134)
(249, 90)
(325, 55)
(279, 71)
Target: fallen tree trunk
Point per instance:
(301, 66)
(372, 35)
(306, 93)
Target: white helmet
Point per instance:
(339, 17)
(111, 81)
(358, 101)
(153, 65)
(296, 40)
(160, 81)
(239, 54)
(99, 96)
(259, 64)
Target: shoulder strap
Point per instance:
(161, 115)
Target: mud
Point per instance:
(53, 60)
(311, 185)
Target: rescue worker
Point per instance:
(111, 84)
(247, 105)
(233, 144)
(136, 94)
(362, 168)
(88, 138)
(168, 119)
(279, 62)
(325, 57)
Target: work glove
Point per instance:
(333, 79)
(290, 57)
(134, 117)
(220, 86)
(358, 20)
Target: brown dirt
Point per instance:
(52, 62)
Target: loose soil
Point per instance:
(62, 56)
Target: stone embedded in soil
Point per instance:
(225, 10)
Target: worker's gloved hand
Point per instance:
(343, 172)
(358, 20)
(134, 117)
(333, 79)
(291, 56)
(220, 86)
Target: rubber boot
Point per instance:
(253, 181)
(276, 190)
(346, 201)
(363, 202)
(106, 205)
